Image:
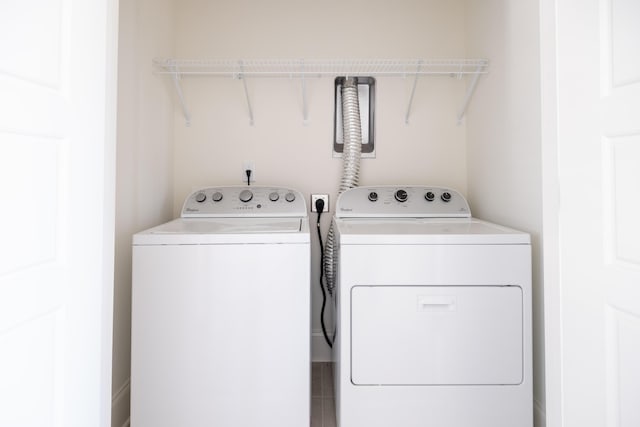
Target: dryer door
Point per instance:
(436, 335)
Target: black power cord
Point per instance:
(248, 172)
(320, 209)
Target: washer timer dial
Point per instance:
(289, 197)
(246, 196)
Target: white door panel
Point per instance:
(620, 36)
(56, 129)
(620, 130)
(598, 158)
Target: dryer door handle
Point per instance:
(436, 303)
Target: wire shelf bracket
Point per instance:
(304, 69)
(246, 91)
(175, 76)
(413, 91)
(467, 98)
(305, 106)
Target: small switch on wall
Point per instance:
(324, 197)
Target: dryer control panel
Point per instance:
(402, 201)
(244, 201)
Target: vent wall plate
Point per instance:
(366, 97)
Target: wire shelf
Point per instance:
(308, 68)
(293, 68)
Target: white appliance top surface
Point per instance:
(235, 214)
(426, 231)
(414, 214)
(226, 230)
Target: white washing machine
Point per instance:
(221, 312)
(433, 313)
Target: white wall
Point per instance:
(504, 137)
(144, 193)
(430, 150)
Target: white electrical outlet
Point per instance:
(324, 197)
(246, 165)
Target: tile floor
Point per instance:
(322, 407)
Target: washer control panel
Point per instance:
(244, 201)
(402, 201)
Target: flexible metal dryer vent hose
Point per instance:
(352, 139)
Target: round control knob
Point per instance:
(201, 197)
(246, 196)
(373, 196)
(401, 196)
(429, 196)
(446, 197)
(217, 196)
(274, 196)
(289, 197)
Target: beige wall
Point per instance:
(285, 151)
(504, 137)
(144, 192)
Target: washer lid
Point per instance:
(426, 231)
(226, 230)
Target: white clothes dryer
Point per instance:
(221, 312)
(433, 313)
